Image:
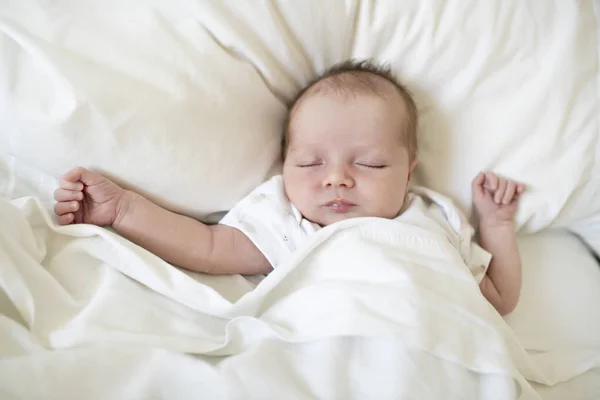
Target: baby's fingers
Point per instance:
(477, 184)
(67, 195)
(66, 207)
(509, 194)
(499, 194)
(66, 219)
(69, 185)
(491, 181)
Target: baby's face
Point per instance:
(346, 158)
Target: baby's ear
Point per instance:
(411, 167)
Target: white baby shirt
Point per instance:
(277, 228)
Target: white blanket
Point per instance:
(369, 309)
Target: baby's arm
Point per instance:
(88, 197)
(501, 285)
(187, 243)
(496, 202)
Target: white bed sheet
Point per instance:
(100, 350)
(584, 387)
(330, 315)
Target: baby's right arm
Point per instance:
(88, 197)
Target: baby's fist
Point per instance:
(87, 197)
(495, 198)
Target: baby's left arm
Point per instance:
(496, 202)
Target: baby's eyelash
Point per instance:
(312, 164)
(373, 166)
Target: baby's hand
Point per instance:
(87, 197)
(495, 198)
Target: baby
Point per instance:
(349, 151)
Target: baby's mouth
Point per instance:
(339, 206)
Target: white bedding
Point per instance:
(369, 309)
(175, 98)
(584, 387)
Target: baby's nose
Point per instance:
(338, 176)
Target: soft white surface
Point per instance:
(175, 98)
(584, 387)
(348, 309)
(558, 318)
(589, 230)
(183, 99)
(118, 319)
(392, 302)
(155, 104)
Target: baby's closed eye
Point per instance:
(371, 163)
(307, 164)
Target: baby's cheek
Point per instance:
(304, 191)
(392, 198)
(378, 196)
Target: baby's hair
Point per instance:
(355, 76)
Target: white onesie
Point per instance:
(277, 228)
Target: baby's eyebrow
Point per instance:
(301, 153)
(372, 155)
(372, 151)
(372, 160)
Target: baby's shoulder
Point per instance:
(268, 202)
(433, 210)
(272, 186)
(270, 193)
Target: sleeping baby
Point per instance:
(349, 151)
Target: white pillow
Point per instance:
(180, 99)
(557, 319)
(589, 230)
(157, 105)
(502, 85)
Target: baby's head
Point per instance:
(350, 145)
